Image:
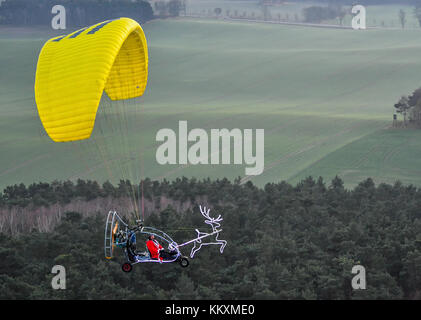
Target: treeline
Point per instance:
(338, 11)
(362, 2)
(317, 14)
(330, 10)
(78, 12)
(63, 192)
(46, 194)
(284, 242)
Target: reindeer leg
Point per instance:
(197, 242)
(194, 250)
(223, 244)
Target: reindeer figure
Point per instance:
(215, 224)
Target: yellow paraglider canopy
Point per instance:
(74, 70)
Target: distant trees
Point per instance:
(317, 14)
(79, 13)
(415, 106)
(265, 10)
(402, 18)
(362, 2)
(410, 108)
(169, 8)
(402, 107)
(46, 194)
(417, 14)
(341, 13)
(161, 7)
(417, 11)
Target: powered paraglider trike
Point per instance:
(119, 234)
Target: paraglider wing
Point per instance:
(74, 70)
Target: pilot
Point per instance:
(157, 251)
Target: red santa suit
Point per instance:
(154, 247)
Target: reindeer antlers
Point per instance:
(205, 212)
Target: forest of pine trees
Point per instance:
(284, 241)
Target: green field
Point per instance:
(324, 97)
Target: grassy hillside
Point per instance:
(324, 97)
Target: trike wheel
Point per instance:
(184, 262)
(126, 267)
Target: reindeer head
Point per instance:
(213, 222)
